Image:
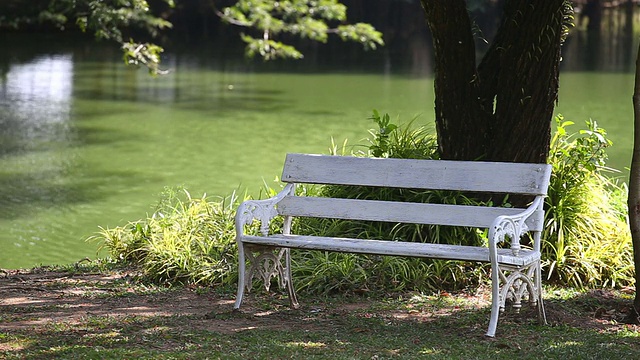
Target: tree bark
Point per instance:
(461, 123)
(523, 64)
(502, 109)
(634, 189)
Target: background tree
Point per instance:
(501, 109)
(634, 193)
(115, 20)
(123, 20)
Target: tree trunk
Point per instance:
(593, 11)
(528, 54)
(461, 123)
(502, 109)
(634, 190)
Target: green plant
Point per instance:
(380, 144)
(189, 240)
(586, 236)
(402, 142)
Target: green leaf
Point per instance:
(310, 19)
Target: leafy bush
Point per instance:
(401, 142)
(188, 240)
(586, 237)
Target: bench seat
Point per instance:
(386, 247)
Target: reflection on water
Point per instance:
(35, 123)
(36, 102)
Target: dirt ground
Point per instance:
(31, 300)
(51, 297)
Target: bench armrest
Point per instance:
(262, 210)
(514, 227)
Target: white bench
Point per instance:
(515, 270)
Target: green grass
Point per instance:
(406, 325)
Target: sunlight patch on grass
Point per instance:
(13, 343)
(264, 313)
(108, 335)
(567, 344)
(432, 351)
(628, 332)
(306, 344)
(157, 330)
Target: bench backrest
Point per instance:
(468, 176)
(472, 176)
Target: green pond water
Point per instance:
(86, 142)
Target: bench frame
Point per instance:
(515, 271)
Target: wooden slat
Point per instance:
(382, 247)
(473, 176)
(415, 213)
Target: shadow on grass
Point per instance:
(110, 316)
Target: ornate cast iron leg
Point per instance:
(514, 285)
(542, 316)
(241, 276)
(293, 298)
(266, 263)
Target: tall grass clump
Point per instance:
(586, 235)
(186, 240)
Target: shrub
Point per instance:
(586, 237)
(187, 240)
